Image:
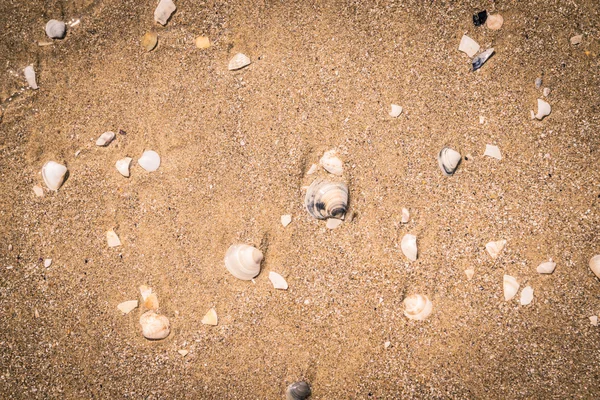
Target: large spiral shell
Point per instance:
(325, 199)
(243, 261)
(417, 307)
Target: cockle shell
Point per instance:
(278, 281)
(546, 267)
(526, 296)
(494, 248)
(595, 265)
(417, 307)
(448, 159)
(243, 261)
(492, 151)
(163, 11)
(123, 166)
(105, 139)
(30, 77)
(494, 21)
(510, 286)
(55, 29)
(54, 175)
(210, 318)
(544, 109)
(468, 46)
(482, 58)
(332, 163)
(154, 326)
(325, 199)
(298, 391)
(395, 111)
(409, 246)
(150, 160)
(239, 61)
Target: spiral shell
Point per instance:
(448, 160)
(298, 391)
(325, 199)
(417, 307)
(243, 261)
(154, 326)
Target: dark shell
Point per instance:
(298, 391)
(482, 58)
(325, 199)
(448, 160)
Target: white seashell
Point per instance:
(546, 92)
(183, 352)
(546, 267)
(39, 192)
(54, 175)
(112, 239)
(595, 265)
(526, 296)
(238, 61)
(494, 21)
(154, 326)
(243, 261)
(127, 306)
(448, 159)
(123, 166)
(210, 318)
(405, 216)
(494, 248)
(576, 39)
(333, 223)
(163, 11)
(417, 307)
(286, 220)
(395, 111)
(56, 29)
(105, 139)
(511, 287)
(298, 391)
(47, 262)
(544, 109)
(325, 199)
(594, 320)
(30, 77)
(332, 163)
(468, 46)
(409, 246)
(278, 281)
(150, 160)
(492, 151)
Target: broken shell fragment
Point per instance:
(56, 29)
(395, 111)
(595, 265)
(39, 192)
(154, 326)
(105, 139)
(417, 307)
(298, 391)
(54, 175)
(163, 11)
(210, 318)
(526, 296)
(123, 166)
(494, 248)
(183, 352)
(546, 267)
(576, 39)
(546, 92)
(325, 199)
(405, 216)
(278, 281)
(149, 41)
(494, 22)
(30, 77)
(149, 299)
(239, 61)
(112, 239)
(482, 58)
(448, 159)
(468, 46)
(333, 223)
(332, 163)
(469, 273)
(594, 320)
(47, 262)
(243, 261)
(150, 160)
(409, 246)
(286, 220)
(127, 306)
(492, 151)
(544, 109)
(202, 42)
(510, 286)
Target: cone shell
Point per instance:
(239, 61)
(326, 199)
(54, 175)
(409, 246)
(243, 261)
(154, 326)
(298, 391)
(417, 307)
(448, 159)
(510, 286)
(595, 265)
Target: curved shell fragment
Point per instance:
(30, 77)
(468, 46)
(150, 160)
(526, 296)
(544, 109)
(210, 318)
(163, 11)
(409, 246)
(492, 151)
(112, 239)
(105, 139)
(127, 306)
(239, 61)
(495, 248)
(123, 166)
(278, 281)
(54, 175)
(595, 265)
(546, 267)
(510, 286)
(395, 111)
(332, 163)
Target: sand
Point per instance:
(235, 147)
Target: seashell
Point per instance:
(154, 326)
(482, 58)
(202, 42)
(469, 273)
(47, 262)
(395, 111)
(526, 296)
(492, 151)
(594, 320)
(30, 76)
(112, 239)
(210, 318)
(163, 11)
(325, 199)
(417, 307)
(546, 267)
(105, 139)
(494, 248)
(127, 306)
(54, 175)
(511, 287)
(546, 92)
(286, 220)
(123, 166)
(409, 246)
(332, 163)
(333, 223)
(238, 61)
(595, 265)
(468, 46)
(278, 281)
(39, 192)
(149, 41)
(448, 159)
(183, 352)
(405, 216)
(494, 22)
(150, 160)
(298, 391)
(576, 39)
(543, 110)
(56, 29)
(243, 261)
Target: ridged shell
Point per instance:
(595, 265)
(29, 73)
(54, 174)
(243, 261)
(326, 199)
(332, 163)
(510, 286)
(239, 61)
(154, 326)
(163, 11)
(56, 29)
(417, 307)
(449, 159)
(298, 391)
(409, 246)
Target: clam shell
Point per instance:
(54, 175)
(544, 109)
(56, 29)
(149, 41)
(409, 246)
(163, 11)
(526, 296)
(482, 58)
(494, 248)
(105, 139)
(332, 163)
(546, 267)
(123, 166)
(298, 391)
(325, 199)
(150, 160)
(468, 46)
(449, 159)
(243, 261)
(154, 326)
(510, 286)
(595, 265)
(210, 318)
(417, 307)
(30, 77)
(278, 281)
(395, 111)
(239, 61)
(494, 22)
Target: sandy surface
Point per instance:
(235, 149)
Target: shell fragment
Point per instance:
(286, 220)
(468, 46)
(123, 166)
(511, 287)
(526, 296)
(210, 318)
(239, 61)
(495, 248)
(112, 239)
(127, 306)
(278, 281)
(409, 246)
(492, 151)
(105, 139)
(395, 111)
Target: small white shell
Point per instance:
(47, 262)
(56, 29)
(298, 391)
(54, 175)
(333, 223)
(105, 139)
(510, 286)
(494, 248)
(448, 159)
(544, 109)
(468, 46)
(325, 199)
(286, 220)
(163, 11)
(278, 281)
(112, 239)
(546, 267)
(417, 307)
(123, 166)
(595, 265)
(395, 111)
(210, 318)
(150, 160)
(243, 261)
(332, 163)
(127, 306)
(409, 246)
(492, 151)
(526, 296)
(405, 216)
(238, 61)
(494, 21)
(30, 77)
(154, 326)
(546, 92)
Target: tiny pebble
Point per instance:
(387, 344)
(576, 39)
(538, 83)
(47, 262)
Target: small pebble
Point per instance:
(202, 42)
(47, 262)
(546, 92)
(36, 313)
(387, 344)
(576, 39)
(333, 223)
(39, 192)
(149, 41)
(395, 111)
(538, 83)
(10, 247)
